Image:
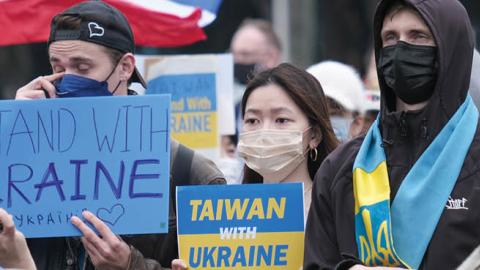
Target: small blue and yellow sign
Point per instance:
(241, 226)
(194, 107)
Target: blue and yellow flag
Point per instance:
(373, 227)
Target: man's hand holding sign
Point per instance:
(106, 248)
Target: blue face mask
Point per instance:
(77, 86)
(71, 85)
(341, 127)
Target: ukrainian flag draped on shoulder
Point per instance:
(399, 235)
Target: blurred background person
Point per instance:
(255, 47)
(343, 88)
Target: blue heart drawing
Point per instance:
(111, 216)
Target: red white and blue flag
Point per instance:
(155, 23)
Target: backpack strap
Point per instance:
(181, 167)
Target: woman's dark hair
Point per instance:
(308, 95)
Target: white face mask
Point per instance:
(274, 154)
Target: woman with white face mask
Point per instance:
(286, 129)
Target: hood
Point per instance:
(453, 34)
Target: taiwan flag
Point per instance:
(155, 23)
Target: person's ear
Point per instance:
(127, 66)
(316, 137)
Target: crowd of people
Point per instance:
(378, 166)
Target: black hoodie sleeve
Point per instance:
(321, 250)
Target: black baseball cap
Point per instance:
(101, 24)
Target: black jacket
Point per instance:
(330, 233)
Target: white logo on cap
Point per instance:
(95, 29)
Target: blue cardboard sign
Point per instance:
(108, 155)
(241, 226)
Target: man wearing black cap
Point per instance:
(91, 48)
(79, 62)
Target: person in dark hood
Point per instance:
(407, 194)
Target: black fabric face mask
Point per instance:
(409, 70)
(241, 72)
